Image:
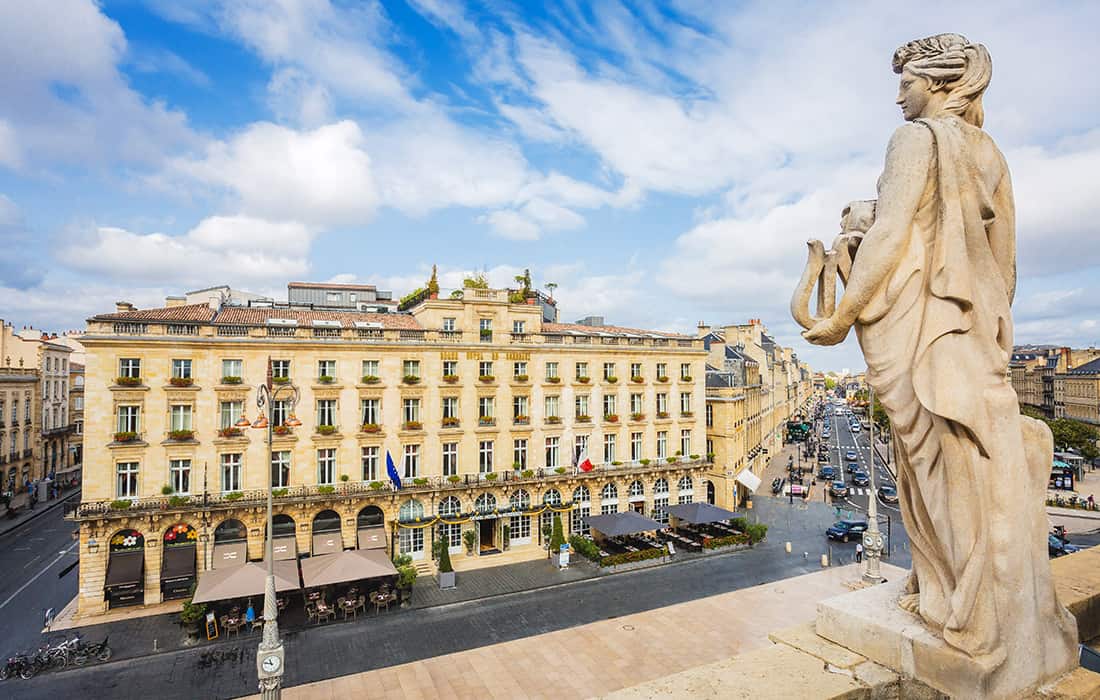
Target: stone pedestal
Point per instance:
(870, 623)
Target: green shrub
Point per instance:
(402, 560)
(344, 477)
(454, 478)
(121, 504)
(375, 485)
(326, 429)
(445, 558)
(492, 476)
(557, 539)
(177, 501)
(192, 612)
(406, 576)
(369, 379)
(631, 557)
(167, 490)
(728, 541)
(585, 547)
(559, 470)
(326, 489)
(279, 493)
(527, 473)
(234, 496)
(756, 532)
(420, 481)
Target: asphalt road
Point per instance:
(841, 441)
(31, 559)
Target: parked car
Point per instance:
(860, 479)
(1057, 547)
(844, 530)
(888, 494)
(851, 455)
(823, 456)
(827, 473)
(838, 488)
(777, 485)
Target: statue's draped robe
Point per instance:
(972, 472)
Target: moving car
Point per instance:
(888, 494)
(860, 479)
(823, 456)
(827, 473)
(838, 488)
(846, 529)
(777, 485)
(851, 455)
(1056, 547)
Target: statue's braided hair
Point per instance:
(954, 64)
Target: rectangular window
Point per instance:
(181, 369)
(580, 447)
(552, 370)
(180, 417)
(411, 462)
(280, 469)
(662, 403)
(519, 408)
(520, 526)
(485, 456)
(326, 368)
(370, 368)
(232, 368)
(662, 370)
(280, 369)
(635, 370)
(326, 465)
(582, 405)
(370, 411)
(450, 458)
(579, 519)
(484, 369)
(179, 475)
(608, 449)
(635, 403)
(410, 410)
(662, 444)
(411, 368)
(231, 472)
(552, 449)
(485, 407)
(326, 412)
(449, 323)
(660, 509)
(552, 403)
(609, 405)
(129, 367)
(519, 453)
(635, 446)
(127, 482)
(450, 407)
(369, 460)
(609, 507)
(685, 402)
(685, 442)
(129, 419)
(519, 326)
(710, 416)
(519, 369)
(582, 370)
(685, 370)
(485, 330)
(450, 368)
(280, 411)
(608, 370)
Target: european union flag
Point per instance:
(392, 471)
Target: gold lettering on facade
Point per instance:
(448, 356)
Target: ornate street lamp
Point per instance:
(270, 655)
(872, 538)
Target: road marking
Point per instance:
(35, 577)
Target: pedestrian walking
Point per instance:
(859, 552)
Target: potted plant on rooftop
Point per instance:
(446, 571)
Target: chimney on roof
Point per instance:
(174, 301)
(121, 306)
(704, 329)
(591, 321)
(214, 301)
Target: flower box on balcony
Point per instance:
(492, 476)
(281, 430)
(178, 501)
(662, 414)
(559, 470)
(126, 436)
(326, 489)
(326, 429)
(685, 378)
(637, 380)
(231, 380)
(450, 378)
(121, 504)
(611, 380)
(450, 422)
(611, 418)
(527, 473)
(663, 378)
(181, 434)
(584, 380)
(583, 419)
(520, 377)
(279, 493)
(644, 462)
(420, 481)
(521, 420)
(485, 420)
(637, 416)
(553, 380)
(454, 478)
(411, 379)
(280, 380)
(369, 379)
(686, 414)
(128, 381)
(411, 425)
(326, 379)
(375, 485)
(372, 428)
(181, 381)
(230, 432)
(234, 496)
(486, 378)
(553, 420)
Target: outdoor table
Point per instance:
(349, 606)
(631, 548)
(379, 599)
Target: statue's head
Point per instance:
(943, 74)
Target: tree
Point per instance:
(476, 281)
(830, 383)
(1068, 433)
(445, 557)
(558, 538)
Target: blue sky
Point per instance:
(663, 163)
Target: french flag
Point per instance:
(584, 462)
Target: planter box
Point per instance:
(446, 580)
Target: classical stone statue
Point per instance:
(929, 272)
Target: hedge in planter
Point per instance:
(631, 557)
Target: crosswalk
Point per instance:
(852, 491)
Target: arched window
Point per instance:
(581, 495)
(685, 484)
(552, 497)
(326, 521)
(283, 525)
(520, 499)
(371, 516)
(485, 503)
(636, 489)
(230, 531)
(410, 510)
(127, 540)
(180, 535)
(450, 506)
(610, 492)
(660, 486)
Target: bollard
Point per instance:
(806, 555)
(824, 560)
(787, 546)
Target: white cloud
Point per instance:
(511, 224)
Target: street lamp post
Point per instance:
(270, 655)
(872, 538)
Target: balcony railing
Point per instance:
(380, 487)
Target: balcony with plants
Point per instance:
(411, 379)
(412, 425)
(369, 379)
(181, 435)
(371, 428)
(231, 380)
(450, 422)
(128, 381)
(450, 378)
(181, 382)
(610, 418)
(486, 378)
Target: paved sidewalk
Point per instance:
(500, 580)
(25, 514)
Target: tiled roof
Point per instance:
(187, 312)
(252, 316)
(329, 285)
(581, 329)
(1092, 367)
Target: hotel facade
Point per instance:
(483, 404)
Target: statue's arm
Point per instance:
(1002, 234)
(900, 188)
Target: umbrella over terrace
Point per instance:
(618, 524)
(700, 513)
